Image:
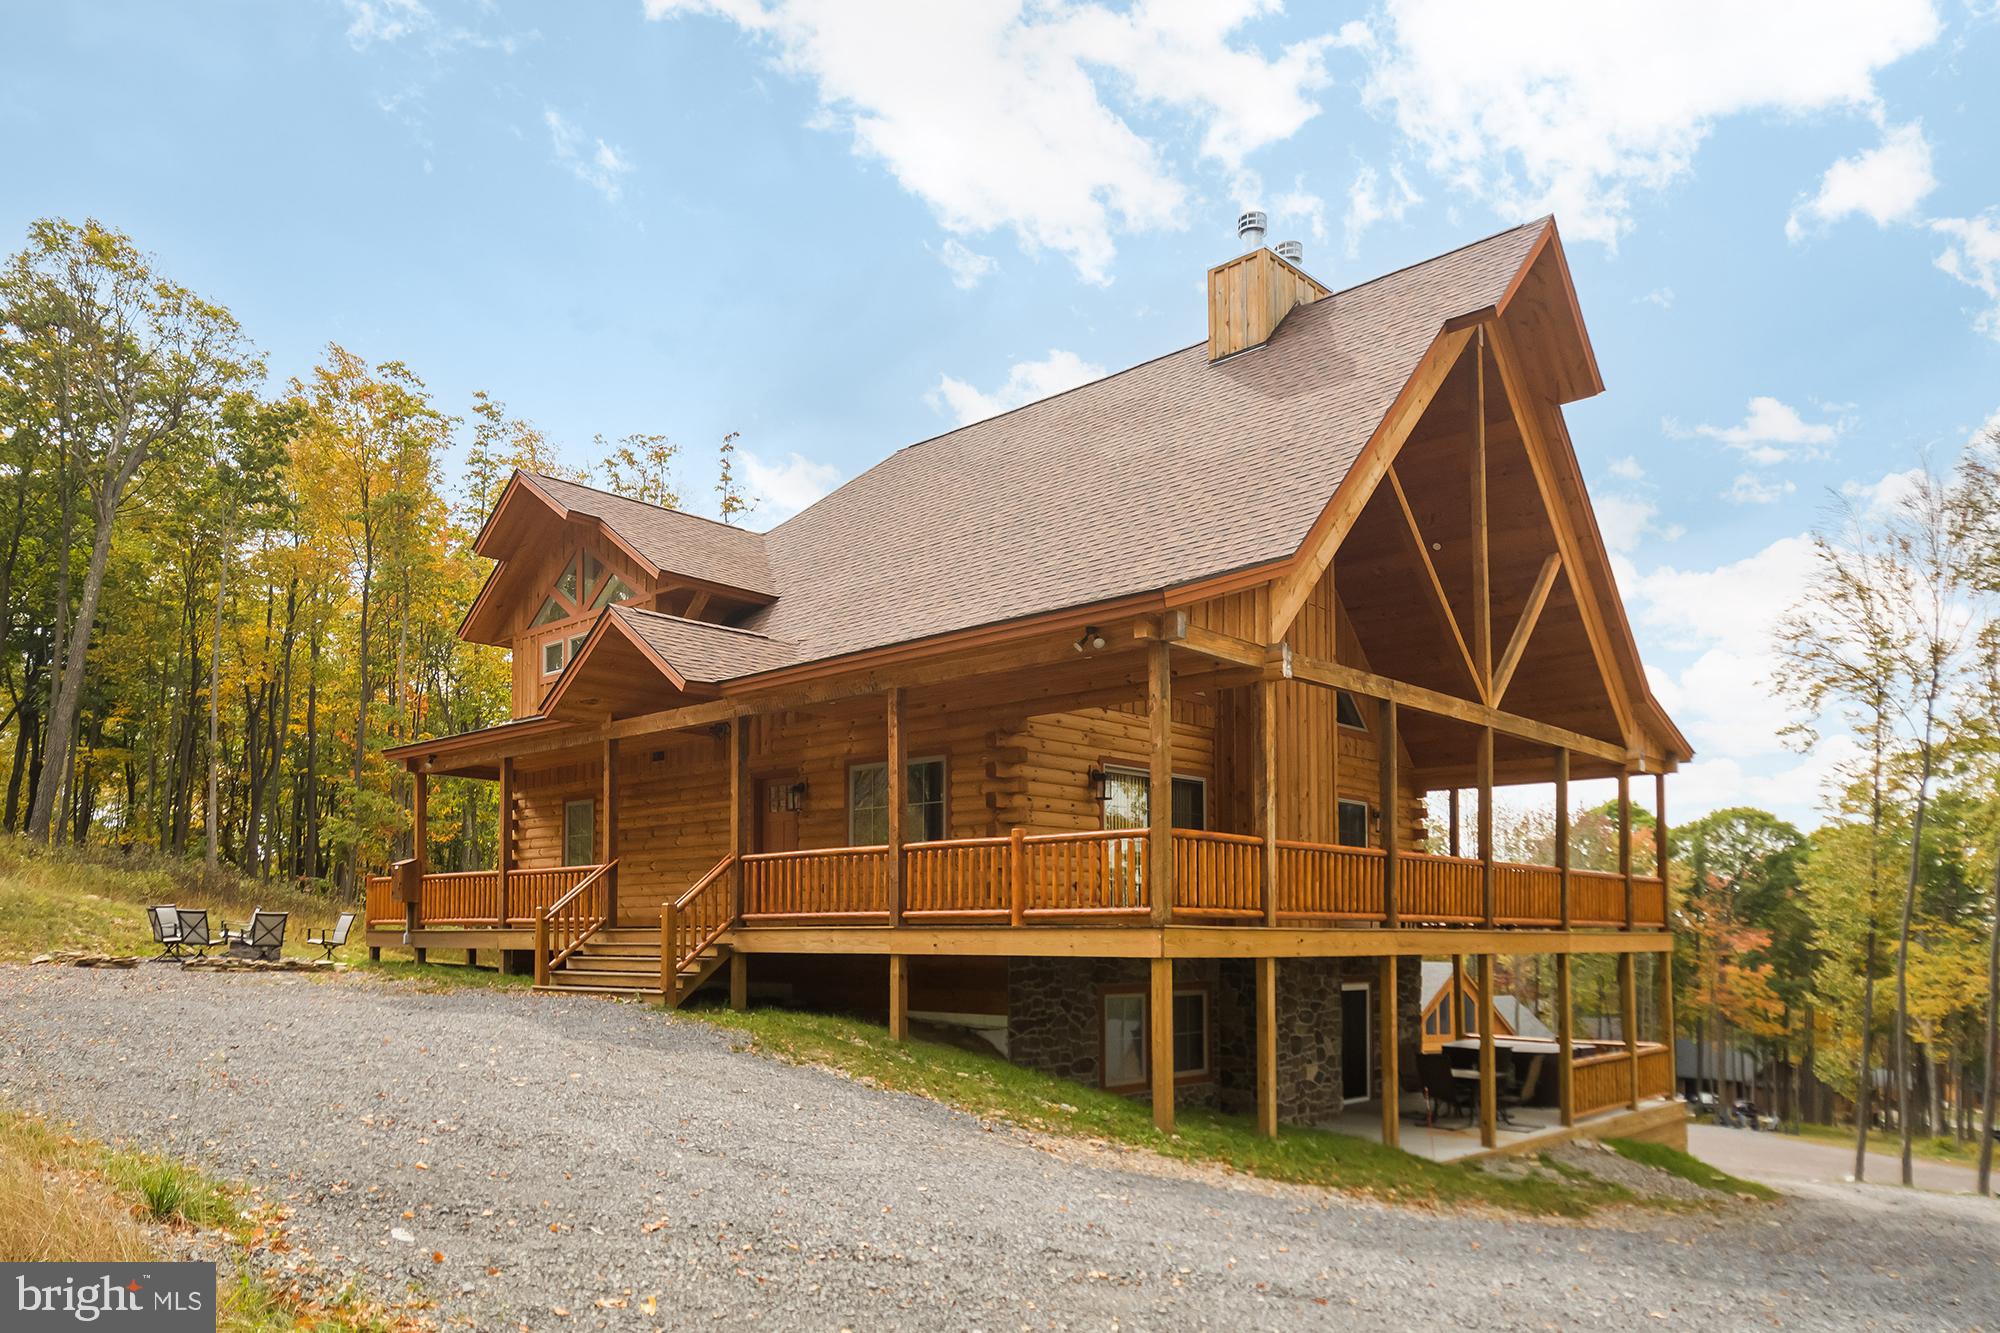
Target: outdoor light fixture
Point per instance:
(795, 796)
(1100, 784)
(1092, 639)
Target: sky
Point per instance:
(839, 228)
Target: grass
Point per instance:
(1887, 1141)
(94, 900)
(1675, 1162)
(990, 1087)
(70, 1199)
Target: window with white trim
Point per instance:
(579, 832)
(1127, 1059)
(868, 803)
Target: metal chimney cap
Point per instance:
(1250, 228)
(1292, 252)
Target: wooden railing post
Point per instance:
(739, 820)
(504, 858)
(1266, 792)
(898, 778)
(1628, 995)
(1390, 801)
(1160, 789)
(1017, 876)
(1562, 835)
(1390, 1041)
(1160, 1041)
(1625, 844)
(1565, 1042)
(541, 949)
(1489, 1091)
(1488, 900)
(670, 957)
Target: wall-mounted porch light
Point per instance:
(1100, 785)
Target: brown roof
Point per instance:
(686, 544)
(1172, 471)
(705, 653)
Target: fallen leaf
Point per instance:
(437, 1256)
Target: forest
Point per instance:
(224, 595)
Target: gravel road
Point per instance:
(588, 1150)
(1778, 1159)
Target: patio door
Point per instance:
(1355, 1037)
(778, 813)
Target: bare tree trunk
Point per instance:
(215, 704)
(1903, 956)
(67, 696)
(1991, 1083)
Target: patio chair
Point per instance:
(166, 928)
(1520, 1092)
(191, 930)
(1444, 1088)
(263, 938)
(329, 940)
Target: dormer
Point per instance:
(565, 552)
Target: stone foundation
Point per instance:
(1055, 1025)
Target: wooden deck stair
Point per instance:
(624, 961)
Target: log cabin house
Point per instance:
(1170, 664)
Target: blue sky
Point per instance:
(838, 228)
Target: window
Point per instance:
(1471, 1015)
(1128, 800)
(552, 657)
(579, 832)
(1353, 823)
(1190, 1033)
(614, 590)
(593, 568)
(1348, 711)
(576, 642)
(566, 585)
(551, 612)
(1124, 1039)
(1128, 1061)
(868, 803)
(1434, 1022)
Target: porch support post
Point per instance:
(1628, 997)
(1625, 842)
(1452, 839)
(420, 841)
(1389, 746)
(670, 970)
(739, 813)
(1160, 1045)
(739, 981)
(609, 802)
(1160, 793)
(1267, 1047)
(1665, 965)
(1663, 858)
(1562, 835)
(1457, 1028)
(1265, 797)
(899, 997)
(1489, 1091)
(1565, 1042)
(1487, 896)
(898, 776)
(504, 860)
(1391, 1053)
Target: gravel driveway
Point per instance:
(593, 1150)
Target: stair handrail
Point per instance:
(688, 925)
(563, 926)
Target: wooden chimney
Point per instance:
(1249, 296)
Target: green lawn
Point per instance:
(988, 1086)
(1887, 1141)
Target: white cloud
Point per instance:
(1026, 382)
(783, 489)
(371, 21)
(916, 82)
(1751, 489)
(1878, 499)
(1772, 432)
(592, 161)
(1578, 111)
(968, 267)
(1972, 255)
(1885, 183)
(1625, 519)
(1663, 297)
(1627, 468)
(1369, 201)
(1302, 206)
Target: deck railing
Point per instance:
(1218, 874)
(964, 879)
(378, 902)
(1439, 889)
(1078, 876)
(473, 897)
(1602, 1081)
(572, 919)
(690, 923)
(1321, 883)
(829, 884)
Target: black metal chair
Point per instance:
(1443, 1088)
(329, 940)
(192, 931)
(263, 938)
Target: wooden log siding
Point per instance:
(1218, 874)
(1323, 883)
(831, 883)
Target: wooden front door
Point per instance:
(777, 813)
